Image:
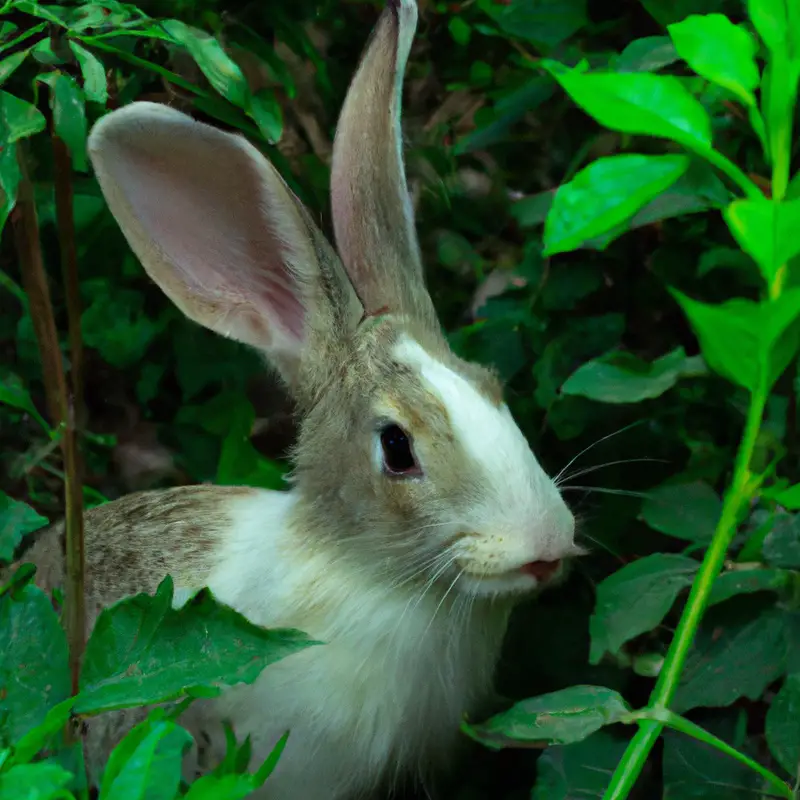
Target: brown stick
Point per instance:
(25, 221)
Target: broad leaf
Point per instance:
(143, 651)
(544, 23)
(225, 787)
(655, 581)
(746, 341)
(146, 764)
(731, 661)
(578, 771)
(605, 194)
(620, 377)
(781, 547)
(95, 84)
(16, 520)
(766, 230)
(638, 103)
(13, 393)
(36, 739)
(748, 581)
(44, 781)
(9, 182)
(783, 725)
(9, 65)
(556, 718)
(789, 498)
(268, 114)
(687, 511)
(69, 116)
(222, 72)
(720, 51)
(34, 674)
(647, 54)
(18, 119)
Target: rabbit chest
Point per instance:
(382, 698)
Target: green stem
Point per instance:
(23, 36)
(741, 488)
(666, 717)
(727, 166)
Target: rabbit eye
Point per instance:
(398, 458)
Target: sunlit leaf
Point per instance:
(268, 114)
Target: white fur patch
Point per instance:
(520, 516)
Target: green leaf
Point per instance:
(44, 781)
(688, 511)
(719, 51)
(579, 771)
(13, 393)
(655, 581)
(143, 651)
(638, 103)
(604, 194)
(647, 54)
(557, 718)
(459, 30)
(745, 341)
(146, 764)
(34, 674)
(544, 23)
(781, 547)
(620, 377)
(726, 662)
(770, 19)
(789, 498)
(268, 114)
(766, 230)
(69, 116)
(95, 84)
(271, 761)
(783, 725)
(9, 182)
(222, 72)
(16, 520)
(18, 119)
(9, 65)
(36, 739)
(225, 787)
(748, 581)
(695, 770)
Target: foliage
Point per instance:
(606, 207)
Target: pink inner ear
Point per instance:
(214, 222)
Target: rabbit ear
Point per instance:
(219, 231)
(372, 214)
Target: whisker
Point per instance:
(605, 490)
(587, 470)
(594, 444)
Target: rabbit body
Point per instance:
(418, 513)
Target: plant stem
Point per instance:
(740, 490)
(679, 723)
(26, 232)
(727, 166)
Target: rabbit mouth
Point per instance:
(531, 574)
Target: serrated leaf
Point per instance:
(783, 725)
(146, 764)
(605, 194)
(781, 547)
(687, 511)
(560, 717)
(638, 103)
(16, 520)
(142, 651)
(726, 662)
(620, 377)
(43, 781)
(34, 674)
(655, 581)
(746, 341)
(222, 72)
(719, 51)
(95, 84)
(18, 119)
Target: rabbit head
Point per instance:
(407, 458)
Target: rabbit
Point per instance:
(417, 514)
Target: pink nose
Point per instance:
(542, 570)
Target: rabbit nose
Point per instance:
(542, 570)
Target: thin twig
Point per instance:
(26, 234)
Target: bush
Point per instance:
(568, 161)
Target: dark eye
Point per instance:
(397, 456)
